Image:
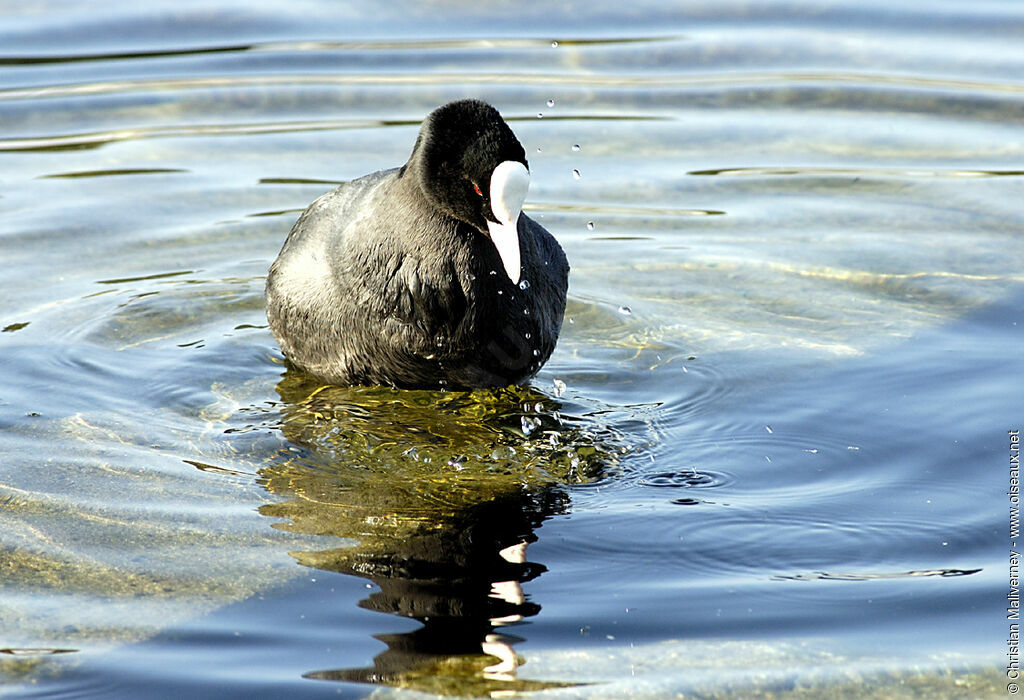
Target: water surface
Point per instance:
(768, 456)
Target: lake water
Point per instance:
(770, 456)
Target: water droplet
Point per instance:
(427, 460)
(528, 424)
(576, 174)
(503, 452)
(551, 103)
(526, 312)
(471, 276)
(527, 335)
(571, 320)
(769, 428)
(554, 44)
(540, 115)
(559, 387)
(411, 453)
(590, 225)
(625, 310)
(536, 352)
(524, 284)
(575, 148)
(439, 341)
(538, 150)
(492, 273)
(538, 407)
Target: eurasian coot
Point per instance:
(426, 275)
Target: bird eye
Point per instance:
(476, 188)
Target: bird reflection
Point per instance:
(460, 579)
(444, 541)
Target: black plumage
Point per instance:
(394, 278)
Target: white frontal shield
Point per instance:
(509, 184)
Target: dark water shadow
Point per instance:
(435, 496)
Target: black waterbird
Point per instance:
(428, 275)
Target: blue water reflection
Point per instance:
(774, 429)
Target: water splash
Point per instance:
(529, 424)
(503, 452)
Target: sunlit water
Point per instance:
(769, 454)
